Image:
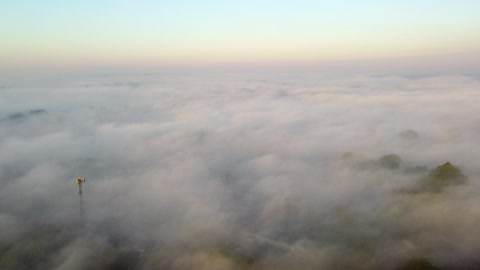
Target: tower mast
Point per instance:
(80, 181)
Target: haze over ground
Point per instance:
(194, 162)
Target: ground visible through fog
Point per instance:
(240, 171)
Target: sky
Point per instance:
(143, 33)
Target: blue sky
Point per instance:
(204, 32)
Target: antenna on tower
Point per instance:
(81, 181)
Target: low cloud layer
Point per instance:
(238, 171)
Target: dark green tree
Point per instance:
(390, 161)
(417, 264)
(443, 176)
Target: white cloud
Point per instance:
(197, 159)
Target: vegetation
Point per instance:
(417, 264)
(390, 161)
(345, 233)
(442, 177)
(34, 248)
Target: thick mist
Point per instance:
(238, 171)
